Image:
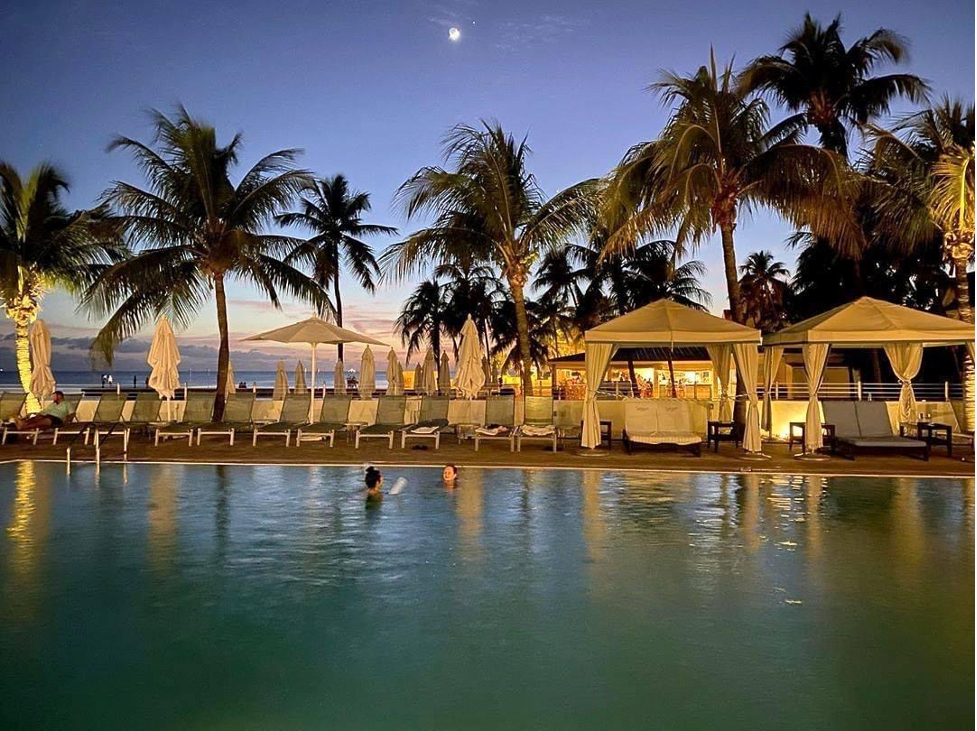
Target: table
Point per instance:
(721, 431)
(793, 437)
(931, 432)
(605, 432)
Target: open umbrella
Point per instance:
(281, 382)
(368, 374)
(339, 378)
(429, 373)
(444, 375)
(229, 386)
(315, 331)
(472, 372)
(42, 379)
(164, 359)
(300, 378)
(395, 375)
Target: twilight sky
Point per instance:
(368, 89)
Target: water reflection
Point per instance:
(29, 524)
(468, 499)
(164, 490)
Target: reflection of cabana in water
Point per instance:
(866, 323)
(667, 324)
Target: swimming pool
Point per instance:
(180, 596)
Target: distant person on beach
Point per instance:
(105, 380)
(134, 381)
(374, 485)
(450, 476)
(54, 415)
(111, 379)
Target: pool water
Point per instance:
(179, 596)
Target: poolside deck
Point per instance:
(497, 454)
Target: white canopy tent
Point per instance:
(666, 324)
(868, 323)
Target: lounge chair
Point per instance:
(333, 417)
(238, 417)
(199, 409)
(108, 414)
(860, 425)
(11, 404)
(500, 422)
(390, 420)
(431, 422)
(537, 422)
(660, 423)
(11, 429)
(295, 410)
(111, 406)
(146, 410)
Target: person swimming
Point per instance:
(374, 485)
(450, 475)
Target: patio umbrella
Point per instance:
(229, 386)
(315, 331)
(487, 369)
(472, 370)
(281, 382)
(339, 378)
(418, 378)
(444, 375)
(395, 375)
(368, 374)
(164, 359)
(42, 380)
(429, 378)
(300, 378)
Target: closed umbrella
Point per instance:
(229, 387)
(42, 379)
(339, 378)
(487, 368)
(472, 370)
(281, 382)
(300, 378)
(429, 373)
(444, 375)
(368, 374)
(395, 375)
(164, 359)
(418, 379)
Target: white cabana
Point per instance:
(444, 375)
(869, 323)
(395, 375)
(164, 360)
(368, 374)
(471, 374)
(42, 379)
(281, 382)
(300, 386)
(663, 324)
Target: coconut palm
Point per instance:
(764, 288)
(717, 157)
(334, 214)
(197, 229)
(487, 200)
(43, 246)
(831, 86)
(423, 318)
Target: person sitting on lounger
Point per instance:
(450, 476)
(374, 486)
(52, 416)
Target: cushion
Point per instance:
(530, 430)
(884, 442)
(873, 419)
(640, 416)
(677, 438)
(842, 415)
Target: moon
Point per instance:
(454, 35)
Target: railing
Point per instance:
(857, 391)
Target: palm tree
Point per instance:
(487, 200)
(43, 246)
(334, 214)
(423, 318)
(470, 289)
(831, 86)
(718, 156)
(197, 229)
(764, 288)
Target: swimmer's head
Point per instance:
(373, 478)
(449, 473)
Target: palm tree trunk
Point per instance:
(22, 351)
(339, 302)
(517, 283)
(962, 285)
(966, 310)
(671, 375)
(224, 352)
(736, 308)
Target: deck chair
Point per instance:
(11, 404)
(73, 400)
(431, 422)
(863, 425)
(238, 409)
(146, 410)
(333, 417)
(199, 409)
(108, 414)
(537, 422)
(295, 410)
(390, 420)
(500, 421)
(112, 406)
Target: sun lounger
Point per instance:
(199, 409)
(500, 422)
(295, 410)
(431, 422)
(238, 409)
(860, 425)
(390, 420)
(333, 417)
(11, 404)
(11, 429)
(146, 410)
(660, 423)
(537, 423)
(108, 414)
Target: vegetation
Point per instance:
(764, 287)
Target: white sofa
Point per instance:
(662, 422)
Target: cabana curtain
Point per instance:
(747, 361)
(598, 357)
(905, 359)
(815, 357)
(771, 364)
(720, 355)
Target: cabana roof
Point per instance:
(667, 323)
(869, 322)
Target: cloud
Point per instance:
(545, 29)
